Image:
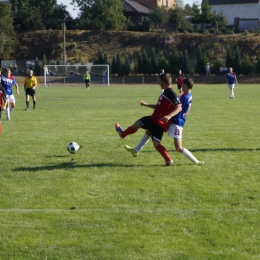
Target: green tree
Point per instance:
(37, 68)
(173, 62)
(206, 16)
(105, 59)
(200, 62)
(187, 10)
(159, 16)
(237, 63)
(175, 16)
(186, 66)
(146, 66)
(196, 19)
(229, 57)
(127, 65)
(181, 61)
(114, 66)
(247, 65)
(58, 61)
(102, 14)
(44, 61)
(139, 63)
(6, 31)
(154, 64)
(100, 57)
(163, 64)
(118, 60)
(219, 20)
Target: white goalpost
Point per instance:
(73, 74)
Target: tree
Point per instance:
(187, 10)
(175, 16)
(154, 64)
(163, 64)
(102, 14)
(127, 65)
(37, 68)
(44, 61)
(237, 63)
(173, 62)
(186, 66)
(140, 63)
(100, 57)
(6, 31)
(105, 59)
(195, 10)
(219, 20)
(181, 61)
(229, 57)
(206, 16)
(58, 61)
(159, 16)
(146, 65)
(247, 65)
(200, 63)
(114, 66)
(118, 60)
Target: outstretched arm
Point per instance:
(143, 103)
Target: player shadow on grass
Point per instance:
(224, 149)
(73, 165)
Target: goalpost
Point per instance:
(73, 74)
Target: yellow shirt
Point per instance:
(30, 82)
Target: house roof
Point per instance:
(131, 6)
(231, 2)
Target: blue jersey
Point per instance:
(179, 119)
(7, 84)
(231, 77)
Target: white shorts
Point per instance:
(11, 99)
(231, 86)
(175, 131)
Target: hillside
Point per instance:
(84, 45)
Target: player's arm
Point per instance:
(174, 112)
(143, 103)
(35, 83)
(17, 88)
(236, 80)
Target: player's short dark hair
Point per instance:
(166, 77)
(188, 82)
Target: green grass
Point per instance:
(129, 208)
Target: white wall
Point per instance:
(244, 11)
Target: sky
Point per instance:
(75, 12)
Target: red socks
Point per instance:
(162, 150)
(129, 131)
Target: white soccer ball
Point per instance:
(73, 147)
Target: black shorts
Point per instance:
(179, 86)
(148, 124)
(30, 92)
(87, 80)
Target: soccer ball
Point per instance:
(73, 147)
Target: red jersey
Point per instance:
(167, 102)
(179, 79)
(2, 95)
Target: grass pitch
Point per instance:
(102, 203)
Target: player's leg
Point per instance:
(0, 120)
(7, 111)
(34, 100)
(27, 100)
(130, 130)
(144, 140)
(12, 103)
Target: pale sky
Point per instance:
(74, 13)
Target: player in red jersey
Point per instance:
(168, 105)
(3, 104)
(179, 80)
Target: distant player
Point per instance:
(87, 79)
(3, 104)
(176, 128)
(7, 81)
(30, 84)
(232, 81)
(179, 80)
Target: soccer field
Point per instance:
(102, 203)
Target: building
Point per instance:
(242, 14)
(137, 10)
(5, 1)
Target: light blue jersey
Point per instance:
(7, 84)
(179, 119)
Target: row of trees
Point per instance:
(145, 64)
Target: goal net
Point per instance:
(73, 74)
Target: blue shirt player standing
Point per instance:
(232, 81)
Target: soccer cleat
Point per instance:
(26, 108)
(119, 130)
(131, 150)
(200, 163)
(33, 107)
(169, 163)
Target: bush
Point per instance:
(212, 31)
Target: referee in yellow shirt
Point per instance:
(30, 83)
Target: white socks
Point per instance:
(142, 143)
(7, 111)
(189, 155)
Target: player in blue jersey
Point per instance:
(176, 128)
(7, 81)
(232, 81)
